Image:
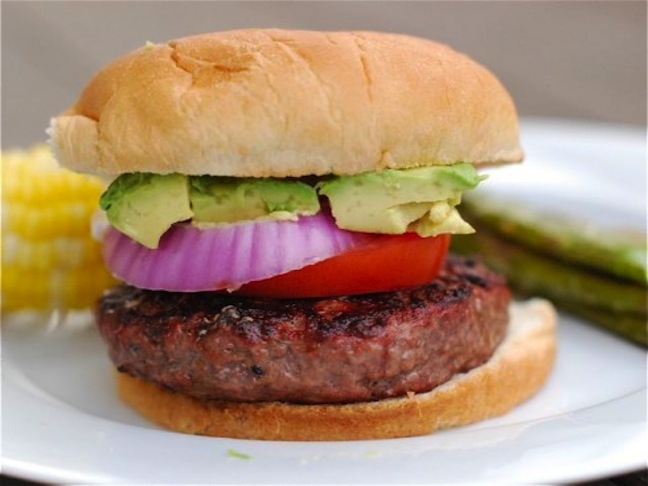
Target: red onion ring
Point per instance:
(191, 259)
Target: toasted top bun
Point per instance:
(281, 103)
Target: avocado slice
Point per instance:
(144, 206)
(230, 199)
(393, 201)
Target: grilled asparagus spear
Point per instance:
(621, 254)
(604, 286)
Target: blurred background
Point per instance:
(573, 59)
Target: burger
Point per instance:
(280, 211)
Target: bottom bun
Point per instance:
(517, 369)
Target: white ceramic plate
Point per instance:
(62, 423)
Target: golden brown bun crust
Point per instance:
(516, 371)
(287, 103)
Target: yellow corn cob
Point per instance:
(49, 259)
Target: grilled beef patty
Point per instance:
(330, 350)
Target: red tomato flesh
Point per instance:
(389, 263)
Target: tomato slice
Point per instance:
(388, 263)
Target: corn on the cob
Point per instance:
(49, 260)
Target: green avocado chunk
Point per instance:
(144, 206)
(230, 199)
(391, 201)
